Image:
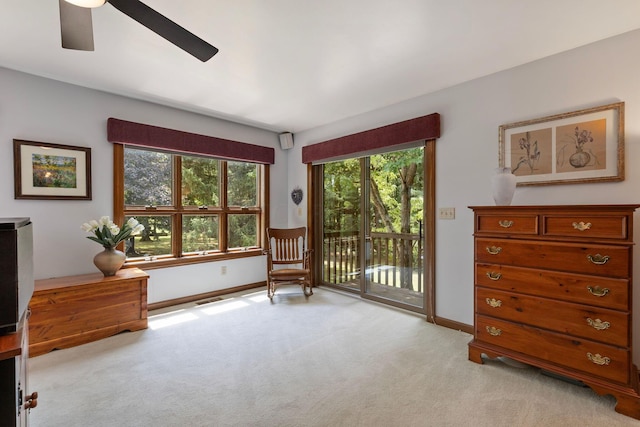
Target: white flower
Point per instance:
(108, 234)
(137, 229)
(90, 226)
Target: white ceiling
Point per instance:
(296, 64)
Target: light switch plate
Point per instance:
(447, 213)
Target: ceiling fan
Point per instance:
(77, 28)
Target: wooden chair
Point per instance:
(288, 260)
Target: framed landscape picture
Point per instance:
(51, 171)
(577, 147)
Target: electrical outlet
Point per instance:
(223, 269)
(447, 213)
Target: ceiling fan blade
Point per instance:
(166, 28)
(75, 27)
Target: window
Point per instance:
(193, 208)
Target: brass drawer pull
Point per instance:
(505, 223)
(598, 291)
(598, 259)
(598, 324)
(495, 303)
(598, 360)
(493, 331)
(581, 226)
(494, 250)
(493, 275)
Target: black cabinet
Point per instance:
(16, 288)
(16, 271)
(15, 402)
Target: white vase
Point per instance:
(503, 185)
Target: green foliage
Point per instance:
(242, 231)
(147, 178)
(242, 184)
(392, 175)
(342, 196)
(154, 240)
(161, 246)
(199, 233)
(200, 181)
(397, 174)
(154, 227)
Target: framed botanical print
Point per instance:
(577, 147)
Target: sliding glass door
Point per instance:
(393, 227)
(373, 211)
(341, 245)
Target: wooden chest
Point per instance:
(68, 311)
(553, 289)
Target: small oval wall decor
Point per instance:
(296, 195)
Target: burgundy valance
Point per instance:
(420, 128)
(141, 135)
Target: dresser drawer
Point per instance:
(602, 360)
(594, 323)
(507, 224)
(586, 226)
(599, 260)
(592, 290)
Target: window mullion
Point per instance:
(223, 222)
(263, 202)
(176, 242)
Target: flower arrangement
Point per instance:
(532, 155)
(581, 137)
(108, 234)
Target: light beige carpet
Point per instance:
(329, 360)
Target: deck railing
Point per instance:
(395, 259)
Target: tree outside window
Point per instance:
(190, 206)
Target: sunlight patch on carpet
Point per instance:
(169, 319)
(223, 307)
(257, 297)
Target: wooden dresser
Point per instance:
(553, 288)
(68, 311)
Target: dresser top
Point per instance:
(88, 279)
(555, 208)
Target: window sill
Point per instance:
(194, 259)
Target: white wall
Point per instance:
(38, 109)
(466, 153)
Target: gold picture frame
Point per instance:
(51, 171)
(578, 147)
